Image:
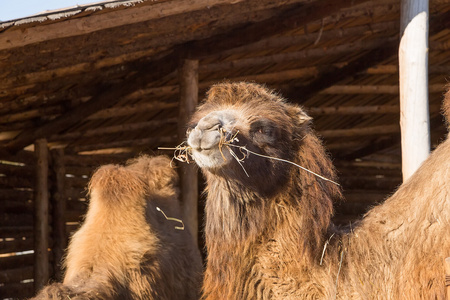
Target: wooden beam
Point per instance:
(110, 19)
(290, 17)
(376, 146)
(145, 142)
(353, 110)
(131, 109)
(332, 76)
(188, 78)
(112, 129)
(306, 54)
(393, 69)
(105, 97)
(101, 101)
(413, 70)
(312, 36)
(83, 67)
(41, 227)
(58, 212)
(350, 110)
(375, 89)
(364, 131)
(368, 164)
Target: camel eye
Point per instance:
(263, 131)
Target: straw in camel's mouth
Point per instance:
(223, 152)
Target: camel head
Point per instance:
(237, 117)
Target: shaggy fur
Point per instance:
(269, 235)
(125, 248)
(446, 106)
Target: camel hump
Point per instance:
(156, 171)
(115, 184)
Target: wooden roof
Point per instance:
(104, 76)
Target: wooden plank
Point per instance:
(370, 183)
(413, 71)
(58, 212)
(16, 231)
(131, 109)
(393, 69)
(368, 164)
(376, 146)
(290, 17)
(136, 40)
(17, 244)
(363, 131)
(93, 161)
(11, 262)
(41, 215)
(16, 182)
(113, 129)
(17, 290)
(305, 39)
(188, 78)
(284, 57)
(375, 89)
(332, 76)
(77, 182)
(79, 26)
(17, 206)
(14, 170)
(21, 157)
(16, 274)
(147, 142)
(100, 101)
(360, 110)
(16, 219)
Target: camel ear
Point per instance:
(299, 116)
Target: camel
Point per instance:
(268, 230)
(126, 248)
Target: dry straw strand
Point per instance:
(171, 219)
(182, 153)
(283, 160)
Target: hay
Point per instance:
(171, 219)
(182, 153)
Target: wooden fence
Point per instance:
(68, 177)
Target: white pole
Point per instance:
(413, 69)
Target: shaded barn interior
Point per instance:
(99, 83)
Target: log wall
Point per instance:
(16, 226)
(16, 214)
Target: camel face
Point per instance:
(239, 128)
(205, 139)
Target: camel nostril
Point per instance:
(214, 127)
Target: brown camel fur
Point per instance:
(269, 234)
(446, 106)
(126, 249)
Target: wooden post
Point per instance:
(447, 276)
(41, 228)
(58, 212)
(188, 77)
(413, 70)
